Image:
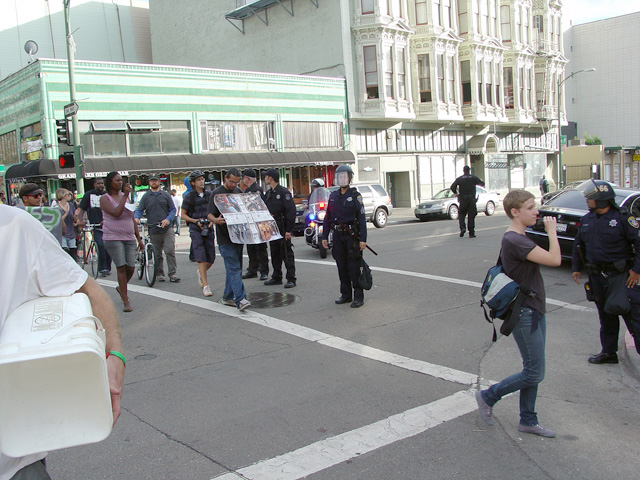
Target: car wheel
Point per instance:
(423, 219)
(490, 209)
(453, 212)
(380, 218)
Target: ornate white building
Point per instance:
(431, 84)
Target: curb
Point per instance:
(630, 358)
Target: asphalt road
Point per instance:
(321, 391)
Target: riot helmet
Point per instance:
(317, 183)
(600, 191)
(344, 175)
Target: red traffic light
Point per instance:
(66, 160)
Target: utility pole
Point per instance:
(77, 147)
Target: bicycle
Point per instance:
(146, 258)
(88, 255)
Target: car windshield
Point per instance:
(574, 199)
(446, 193)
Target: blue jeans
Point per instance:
(531, 345)
(104, 260)
(233, 286)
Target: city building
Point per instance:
(431, 84)
(139, 119)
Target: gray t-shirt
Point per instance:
(515, 248)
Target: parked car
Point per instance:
(298, 226)
(569, 206)
(549, 195)
(377, 202)
(445, 204)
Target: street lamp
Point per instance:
(560, 83)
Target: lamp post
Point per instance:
(560, 83)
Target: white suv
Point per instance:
(377, 202)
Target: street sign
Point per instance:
(71, 109)
(1, 169)
(563, 140)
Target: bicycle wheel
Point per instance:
(140, 264)
(150, 264)
(92, 258)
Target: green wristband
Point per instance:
(119, 355)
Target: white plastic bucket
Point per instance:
(54, 387)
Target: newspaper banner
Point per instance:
(248, 219)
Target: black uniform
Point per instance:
(347, 208)
(258, 257)
(280, 204)
(607, 239)
(465, 187)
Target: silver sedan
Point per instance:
(445, 204)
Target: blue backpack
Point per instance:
(504, 297)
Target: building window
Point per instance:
(465, 74)
(367, 6)
(31, 142)
(371, 140)
(371, 71)
(9, 148)
(424, 78)
(421, 12)
(440, 76)
(388, 73)
(224, 136)
(508, 87)
(477, 10)
(463, 19)
(485, 17)
(312, 135)
(479, 74)
(496, 75)
(526, 37)
(505, 23)
(521, 86)
(529, 82)
(540, 91)
(437, 12)
(402, 89)
(394, 8)
(451, 79)
(446, 13)
(488, 87)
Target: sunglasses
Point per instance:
(37, 195)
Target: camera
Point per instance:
(206, 227)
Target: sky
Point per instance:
(583, 11)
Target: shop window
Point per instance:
(312, 134)
(236, 136)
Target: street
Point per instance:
(315, 390)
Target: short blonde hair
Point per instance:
(515, 199)
(60, 193)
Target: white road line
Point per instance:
(332, 451)
(406, 363)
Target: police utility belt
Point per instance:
(340, 228)
(607, 269)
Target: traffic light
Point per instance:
(63, 131)
(66, 160)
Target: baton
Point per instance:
(354, 236)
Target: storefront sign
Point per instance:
(66, 176)
(102, 174)
(636, 158)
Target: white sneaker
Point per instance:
(244, 303)
(206, 291)
(200, 284)
(227, 301)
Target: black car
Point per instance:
(569, 206)
(298, 227)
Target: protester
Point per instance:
(234, 292)
(34, 265)
(258, 256)
(544, 185)
(607, 246)
(90, 203)
(346, 210)
(160, 211)
(194, 212)
(120, 232)
(177, 202)
(63, 202)
(465, 188)
(521, 259)
(279, 201)
(31, 195)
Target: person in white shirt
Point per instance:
(177, 201)
(34, 265)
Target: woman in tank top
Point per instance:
(119, 232)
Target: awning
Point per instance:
(482, 144)
(182, 163)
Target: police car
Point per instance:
(569, 206)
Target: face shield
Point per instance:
(591, 191)
(342, 179)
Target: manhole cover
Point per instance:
(271, 299)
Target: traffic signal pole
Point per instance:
(77, 147)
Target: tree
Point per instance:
(592, 139)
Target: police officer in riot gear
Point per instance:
(346, 210)
(607, 245)
(279, 201)
(465, 188)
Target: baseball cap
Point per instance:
(29, 189)
(249, 172)
(273, 173)
(154, 177)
